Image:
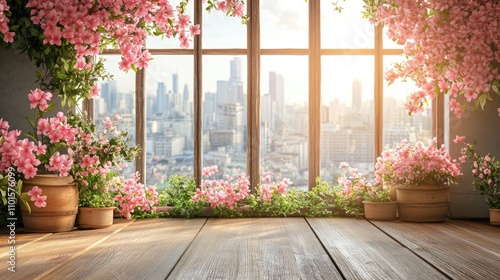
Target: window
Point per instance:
(296, 92)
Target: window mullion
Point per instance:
(378, 95)
(253, 93)
(314, 91)
(198, 96)
(140, 122)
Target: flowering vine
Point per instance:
(451, 46)
(64, 36)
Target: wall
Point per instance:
(17, 78)
(484, 127)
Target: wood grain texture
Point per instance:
(147, 249)
(258, 248)
(361, 251)
(50, 252)
(461, 249)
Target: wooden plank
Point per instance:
(47, 253)
(361, 251)
(147, 249)
(462, 250)
(258, 248)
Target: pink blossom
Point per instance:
(34, 193)
(455, 54)
(459, 139)
(40, 201)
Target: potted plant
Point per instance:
(422, 175)
(378, 204)
(356, 196)
(39, 159)
(96, 201)
(486, 174)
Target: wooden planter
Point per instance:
(380, 211)
(62, 204)
(495, 217)
(423, 203)
(94, 218)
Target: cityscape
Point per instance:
(347, 130)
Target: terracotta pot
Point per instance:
(423, 194)
(94, 218)
(380, 211)
(62, 204)
(423, 212)
(423, 203)
(495, 217)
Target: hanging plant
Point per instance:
(451, 47)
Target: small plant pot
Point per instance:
(380, 211)
(94, 218)
(495, 217)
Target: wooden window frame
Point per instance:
(254, 53)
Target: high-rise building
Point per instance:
(235, 70)
(161, 99)
(356, 95)
(277, 94)
(175, 83)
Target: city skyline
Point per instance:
(346, 127)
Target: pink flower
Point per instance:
(459, 139)
(40, 201)
(34, 193)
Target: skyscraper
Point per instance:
(356, 95)
(175, 83)
(161, 98)
(277, 94)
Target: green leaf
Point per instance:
(20, 187)
(495, 89)
(25, 202)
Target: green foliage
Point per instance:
(280, 205)
(320, 200)
(180, 194)
(98, 192)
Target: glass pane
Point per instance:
(117, 97)
(156, 42)
(398, 125)
(221, 31)
(169, 118)
(225, 114)
(284, 118)
(346, 30)
(284, 24)
(347, 115)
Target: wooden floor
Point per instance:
(259, 248)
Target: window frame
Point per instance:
(254, 53)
